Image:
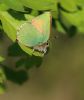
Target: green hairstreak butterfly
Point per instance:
(35, 33)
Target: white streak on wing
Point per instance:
(20, 27)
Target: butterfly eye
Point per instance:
(47, 43)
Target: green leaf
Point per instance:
(34, 13)
(18, 77)
(41, 4)
(69, 5)
(28, 17)
(1, 59)
(33, 61)
(15, 50)
(3, 7)
(29, 62)
(20, 63)
(9, 25)
(75, 19)
(14, 4)
(80, 3)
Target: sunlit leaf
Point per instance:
(75, 19)
(34, 13)
(3, 7)
(69, 5)
(41, 4)
(9, 25)
(80, 3)
(14, 4)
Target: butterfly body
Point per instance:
(41, 48)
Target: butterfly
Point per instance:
(35, 33)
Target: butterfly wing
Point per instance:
(43, 23)
(28, 35)
(35, 32)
